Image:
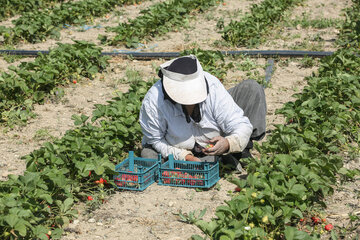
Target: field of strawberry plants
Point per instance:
(68, 117)
(11, 7)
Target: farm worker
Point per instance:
(188, 109)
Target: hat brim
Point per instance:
(185, 89)
(186, 93)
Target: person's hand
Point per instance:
(221, 146)
(192, 158)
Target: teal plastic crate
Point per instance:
(136, 173)
(188, 174)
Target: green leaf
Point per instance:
(99, 170)
(289, 233)
(202, 213)
(39, 96)
(47, 198)
(196, 237)
(343, 171)
(298, 213)
(10, 202)
(21, 228)
(333, 235)
(298, 189)
(11, 220)
(56, 233)
(77, 120)
(68, 203)
(207, 227)
(225, 234)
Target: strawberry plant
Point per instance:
(77, 167)
(32, 82)
(252, 28)
(36, 26)
(305, 22)
(155, 20)
(11, 7)
(350, 31)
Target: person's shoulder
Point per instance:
(155, 91)
(211, 79)
(153, 95)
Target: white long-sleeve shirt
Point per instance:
(165, 127)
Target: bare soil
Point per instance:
(151, 214)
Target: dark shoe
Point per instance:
(246, 153)
(231, 160)
(234, 159)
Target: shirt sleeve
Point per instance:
(230, 118)
(154, 127)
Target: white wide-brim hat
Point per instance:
(186, 84)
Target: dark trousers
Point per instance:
(250, 97)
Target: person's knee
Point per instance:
(252, 85)
(149, 153)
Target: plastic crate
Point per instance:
(136, 173)
(188, 174)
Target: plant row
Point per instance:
(77, 167)
(299, 161)
(255, 25)
(32, 82)
(11, 7)
(156, 20)
(37, 25)
(350, 31)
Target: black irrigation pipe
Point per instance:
(169, 55)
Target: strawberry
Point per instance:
(237, 189)
(90, 198)
(329, 227)
(74, 81)
(316, 220)
(209, 145)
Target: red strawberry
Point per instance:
(90, 198)
(74, 81)
(209, 145)
(316, 220)
(329, 227)
(237, 189)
